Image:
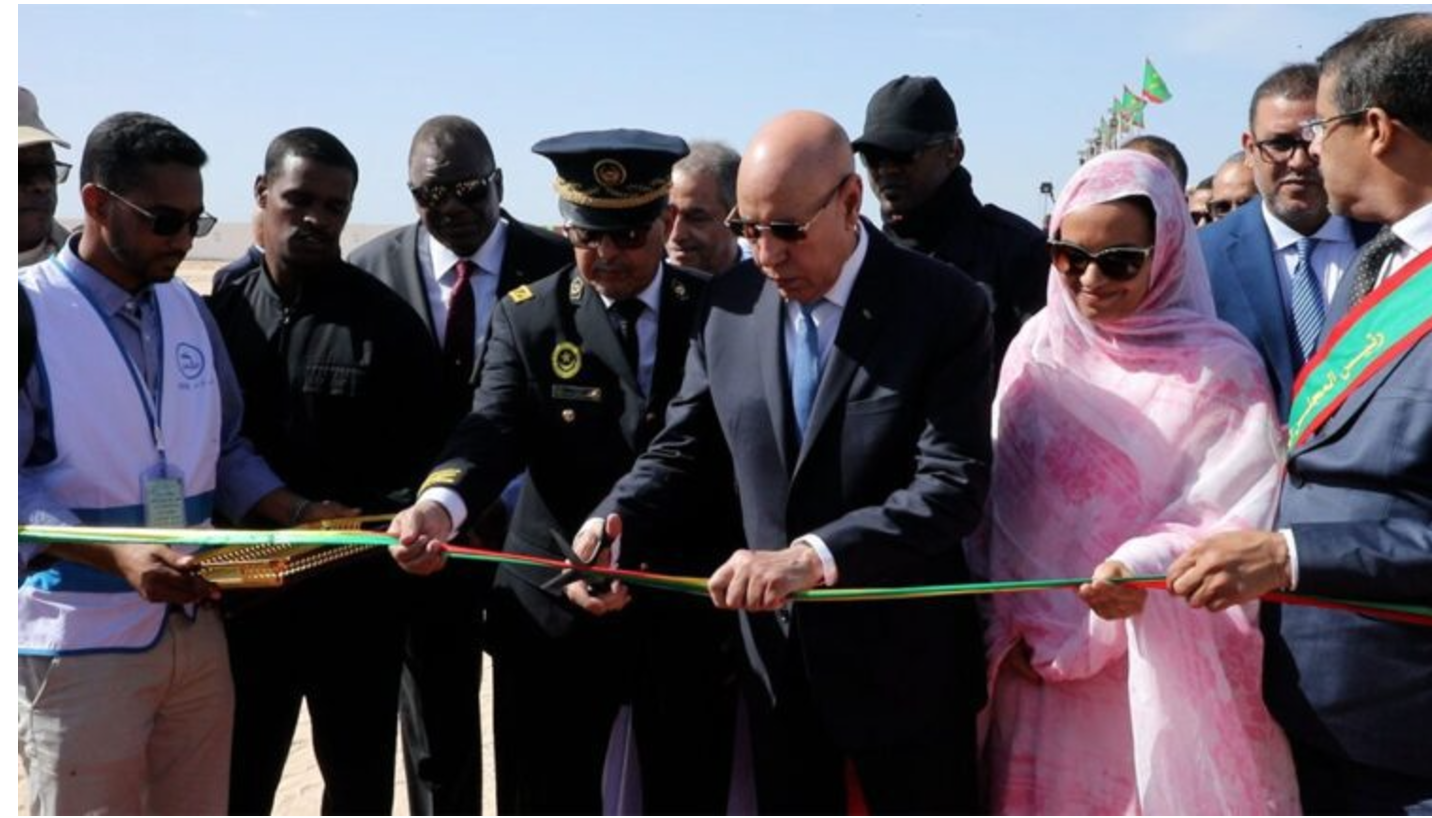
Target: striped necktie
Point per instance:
(1308, 304)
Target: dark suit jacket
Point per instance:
(892, 476)
(559, 399)
(1358, 498)
(392, 258)
(1247, 284)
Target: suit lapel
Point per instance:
(1251, 253)
(770, 350)
(600, 341)
(412, 287)
(858, 324)
(672, 326)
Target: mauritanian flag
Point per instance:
(1155, 90)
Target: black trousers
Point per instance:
(554, 701)
(800, 769)
(442, 672)
(684, 702)
(1329, 785)
(335, 640)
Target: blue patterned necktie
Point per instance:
(805, 369)
(1308, 304)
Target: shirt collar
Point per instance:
(109, 296)
(1335, 229)
(1415, 229)
(839, 293)
(488, 256)
(651, 296)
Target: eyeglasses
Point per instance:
(1200, 217)
(785, 231)
(168, 221)
(54, 172)
(1218, 208)
(1315, 129)
(625, 238)
(469, 191)
(1115, 263)
(1282, 148)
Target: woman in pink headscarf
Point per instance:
(1129, 423)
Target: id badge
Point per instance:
(162, 486)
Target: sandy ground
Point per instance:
(302, 787)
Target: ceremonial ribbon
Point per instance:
(338, 533)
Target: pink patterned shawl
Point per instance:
(1131, 440)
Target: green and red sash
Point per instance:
(1384, 324)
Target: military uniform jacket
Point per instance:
(558, 398)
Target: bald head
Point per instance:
(794, 151)
(457, 186)
(799, 171)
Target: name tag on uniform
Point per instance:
(163, 490)
(590, 394)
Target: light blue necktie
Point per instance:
(805, 369)
(1308, 302)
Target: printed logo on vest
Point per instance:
(191, 360)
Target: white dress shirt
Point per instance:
(439, 269)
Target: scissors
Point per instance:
(596, 585)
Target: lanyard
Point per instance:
(148, 398)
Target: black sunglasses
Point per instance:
(1218, 208)
(785, 231)
(1115, 263)
(168, 221)
(625, 238)
(873, 156)
(55, 172)
(469, 191)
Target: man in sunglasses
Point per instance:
(575, 382)
(849, 381)
(1352, 691)
(40, 235)
(328, 358)
(1198, 202)
(703, 191)
(451, 266)
(1233, 186)
(130, 418)
(914, 157)
(1275, 264)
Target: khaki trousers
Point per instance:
(141, 733)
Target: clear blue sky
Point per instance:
(1030, 82)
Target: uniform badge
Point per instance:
(574, 290)
(520, 294)
(566, 360)
(609, 173)
(678, 289)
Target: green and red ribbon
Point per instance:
(695, 586)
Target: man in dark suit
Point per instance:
(1354, 693)
(850, 381)
(1275, 264)
(574, 383)
(451, 267)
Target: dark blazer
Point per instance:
(1248, 291)
(1358, 499)
(392, 258)
(559, 399)
(892, 475)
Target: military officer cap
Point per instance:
(610, 180)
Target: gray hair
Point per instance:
(717, 159)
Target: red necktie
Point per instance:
(461, 334)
